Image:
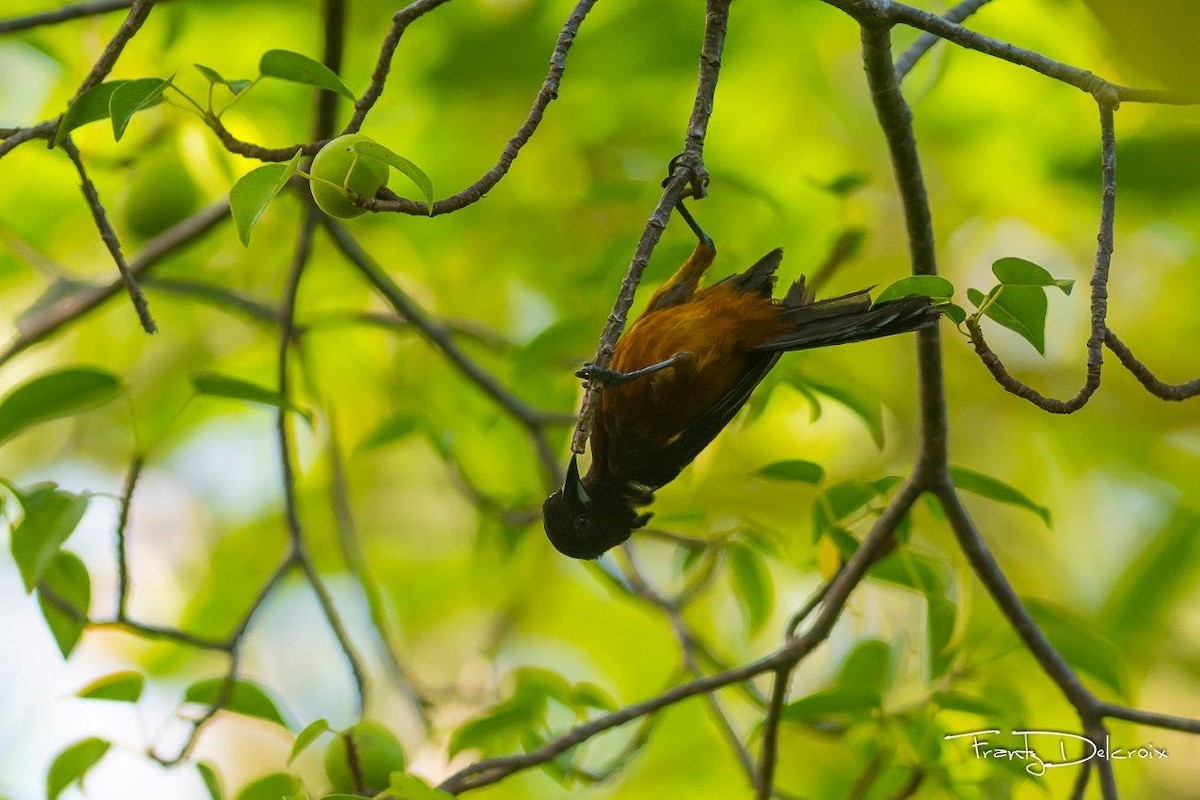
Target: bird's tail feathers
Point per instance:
(848, 318)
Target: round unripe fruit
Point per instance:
(338, 164)
(379, 755)
(159, 192)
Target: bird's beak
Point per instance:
(573, 485)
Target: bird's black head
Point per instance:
(583, 524)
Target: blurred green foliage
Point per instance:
(514, 642)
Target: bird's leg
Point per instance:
(611, 377)
(699, 182)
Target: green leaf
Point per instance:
(67, 577)
(53, 395)
(932, 286)
(212, 76)
(121, 687)
(1021, 309)
(1143, 595)
(864, 406)
(132, 97)
(954, 312)
(970, 704)
(1019, 272)
(940, 616)
(499, 726)
(408, 787)
(792, 470)
(977, 483)
(398, 426)
(868, 667)
(50, 517)
(297, 68)
(852, 701)
(845, 184)
(536, 684)
(213, 384)
(751, 585)
(839, 501)
(254, 191)
(307, 737)
(72, 765)
(245, 698)
(1079, 641)
(589, 695)
(921, 573)
(212, 780)
(402, 165)
(88, 107)
(276, 786)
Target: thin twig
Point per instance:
(546, 94)
(70, 308)
(131, 480)
(764, 783)
(925, 42)
(690, 169)
(436, 334)
(64, 14)
(109, 237)
(1166, 391)
(1099, 286)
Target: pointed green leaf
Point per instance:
(848, 700)
(954, 312)
(394, 428)
(868, 666)
(589, 695)
(401, 165)
(212, 780)
(1019, 272)
(254, 191)
(845, 184)
(932, 286)
(940, 615)
(72, 765)
(864, 406)
(88, 107)
(132, 97)
(121, 687)
(245, 698)
(793, 470)
(212, 76)
(1021, 309)
(213, 384)
(1144, 597)
(751, 585)
(297, 68)
(307, 737)
(50, 517)
(1079, 641)
(977, 483)
(499, 726)
(53, 395)
(276, 786)
(67, 577)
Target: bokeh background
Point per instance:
(1012, 162)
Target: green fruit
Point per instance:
(160, 192)
(379, 755)
(337, 166)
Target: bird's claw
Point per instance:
(698, 177)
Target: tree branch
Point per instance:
(690, 168)
(1165, 391)
(64, 14)
(925, 42)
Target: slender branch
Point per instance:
(64, 14)
(765, 780)
(436, 334)
(1150, 718)
(73, 306)
(1099, 285)
(109, 237)
(1167, 391)
(1079, 788)
(925, 42)
(131, 480)
(690, 168)
(400, 22)
(139, 10)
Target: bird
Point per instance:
(680, 374)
